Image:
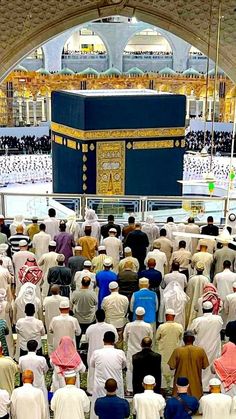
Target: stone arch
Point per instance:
(146, 26)
(62, 16)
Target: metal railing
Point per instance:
(180, 207)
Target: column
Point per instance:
(35, 112)
(27, 112)
(203, 108)
(48, 104)
(209, 110)
(20, 109)
(187, 107)
(43, 111)
(197, 109)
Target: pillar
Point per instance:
(35, 112)
(209, 110)
(48, 106)
(20, 109)
(27, 112)
(43, 110)
(197, 109)
(203, 108)
(187, 108)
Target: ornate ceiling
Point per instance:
(25, 24)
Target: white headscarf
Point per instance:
(90, 216)
(174, 297)
(27, 294)
(71, 223)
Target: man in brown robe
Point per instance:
(189, 361)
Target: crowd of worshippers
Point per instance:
(27, 144)
(195, 167)
(195, 141)
(147, 314)
(25, 169)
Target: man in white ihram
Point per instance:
(70, 402)
(133, 335)
(27, 402)
(230, 305)
(207, 330)
(148, 405)
(108, 363)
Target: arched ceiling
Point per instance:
(26, 24)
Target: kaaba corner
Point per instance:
(117, 142)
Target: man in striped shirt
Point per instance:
(16, 238)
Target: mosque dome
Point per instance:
(135, 71)
(167, 71)
(212, 72)
(89, 71)
(66, 71)
(20, 68)
(113, 71)
(191, 72)
(43, 71)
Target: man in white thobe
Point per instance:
(176, 276)
(64, 325)
(207, 330)
(133, 335)
(215, 405)
(47, 261)
(148, 404)
(224, 284)
(94, 336)
(170, 228)
(230, 305)
(27, 402)
(28, 328)
(41, 241)
(203, 256)
(37, 364)
(19, 259)
(70, 402)
(108, 363)
(128, 258)
(159, 256)
(5, 280)
(113, 247)
(191, 227)
(115, 306)
(51, 306)
(52, 224)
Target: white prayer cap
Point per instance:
(64, 304)
(3, 247)
(214, 382)
(78, 247)
(60, 258)
(234, 285)
(128, 250)
(112, 230)
(207, 305)
(107, 262)
(69, 374)
(100, 248)
(113, 285)
(156, 244)
(2, 217)
(200, 266)
(87, 263)
(52, 243)
(149, 379)
(203, 242)
(23, 243)
(170, 311)
(140, 311)
(34, 218)
(143, 281)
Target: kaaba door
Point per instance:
(110, 168)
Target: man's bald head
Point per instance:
(151, 263)
(28, 376)
(20, 229)
(55, 289)
(146, 342)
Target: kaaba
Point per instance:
(117, 142)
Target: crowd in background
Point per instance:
(157, 303)
(25, 169)
(222, 141)
(29, 144)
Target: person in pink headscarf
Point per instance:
(210, 294)
(30, 272)
(225, 368)
(65, 358)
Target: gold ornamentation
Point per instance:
(84, 177)
(177, 143)
(92, 147)
(71, 144)
(84, 148)
(78, 146)
(84, 168)
(111, 168)
(129, 146)
(84, 186)
(183, 143)
(142, 145)
(115, 134)
(84, 158)
(58, 139)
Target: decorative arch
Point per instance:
(153, 28)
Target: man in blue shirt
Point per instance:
(181, 406)
(146, 299)
(152, 274)
(111, 406)
(103, 279)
